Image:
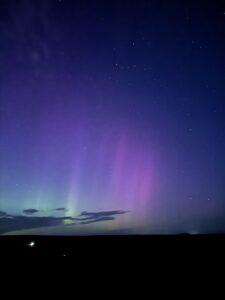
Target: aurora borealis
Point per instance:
(112, 107)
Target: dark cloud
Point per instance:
(86, 218)
(14, 223)
(98, 220)
(102, 213)
(30, 211)
(5, 215)
(2, 213)
(61, 209)
(93, 217)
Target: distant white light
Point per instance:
(194, 232)
(31, 244)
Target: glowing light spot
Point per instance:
(31, 244)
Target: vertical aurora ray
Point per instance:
(82, 165)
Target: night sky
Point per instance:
(112, 116)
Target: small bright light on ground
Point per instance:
(31, 244)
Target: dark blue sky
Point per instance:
(114, 105)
